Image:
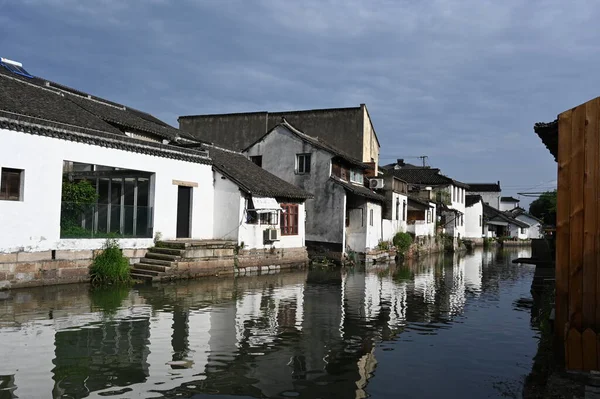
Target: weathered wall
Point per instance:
(227, 209)
(34, 223)
(325, 214)
(473, 221)
(252, 234)
(370, 144)
(490, 198)
(342, 127)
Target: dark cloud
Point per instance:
(461, 81)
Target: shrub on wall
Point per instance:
(110, 266)
(402, 242)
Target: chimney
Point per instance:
(400, 162)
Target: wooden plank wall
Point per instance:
(577, 238)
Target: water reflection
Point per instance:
(308, 334)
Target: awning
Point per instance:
(265, 204)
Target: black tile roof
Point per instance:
(358, 190)
(518, 211)
(315, 141)
(492, 213)
(471, 200)
(251, 178)
(30, 106)
(548, 132)
(420, 201)
(425, 176)
(484, 187)
(509, 199)
(101, 113)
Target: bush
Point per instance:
(110, 266)
(383, 245)
(402, 242)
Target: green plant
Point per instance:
(443, 197)
(383, 245)
(109, 299)
(402, 242)
(157, 237)
(403, 273)
(77, 198)
(110, 266)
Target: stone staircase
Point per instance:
(162, 260)
(157, 262)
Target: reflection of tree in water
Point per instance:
(7, 387)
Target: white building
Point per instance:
(508, 203)
(345, 215)
(421, 216)
(489, 192)
(395, 207)
(254, 207)
(53, 137)
(535, 225)
(474, 224)
(502, 224)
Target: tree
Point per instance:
(544, 208)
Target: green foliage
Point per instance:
(108, 299)
(402, 242)
(383, 245)
(110, 266)
(77, 198)
(403, 273)
(544, 208)
(443, 197)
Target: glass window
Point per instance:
(11, 181)
(397, 208)
(302, 163)
(257, 159)
(356, 176)
(270, 218)
(371, 217)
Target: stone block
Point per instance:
(199, 253)
(73, 273)
(24, 277)
(51, 274)
(34, 256)
(223, 252)
(27, 267)
(8, 258)
(135, 252)
(74, 255)
(264, 269)
(7, 267)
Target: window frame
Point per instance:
(353, 174)
(371, 217)
(268, 218)
(304, 160)
(4, 181)
(289, 220)
(255, 158)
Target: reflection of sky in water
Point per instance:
(416, 329)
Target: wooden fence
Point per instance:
(577, 239)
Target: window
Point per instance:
(480, 217)
(257, 160)
(522, 230)
(303, 163)
(11, 184)
(289, 219)
(404, 211)
(269, 218)
(356, 176)
(371, 217)
(397, 208)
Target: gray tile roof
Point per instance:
(491, 213)
(424, 176)
(509, 199)
(253, 179)
(548, 132)
(471, 200)
(358, 189)
(101, 114)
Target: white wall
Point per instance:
(507, 206)
(421, 229)
(474, 221)
(360, 235)
(398, 222)
(535, 228)
(226, 217)
(490, 198)
(34, 223)
(516, 231)
(373, 235)
(458, 203)
(252, 235)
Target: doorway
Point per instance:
(184, 211)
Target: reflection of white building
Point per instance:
(383, 292)
(472, 271)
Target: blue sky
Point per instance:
(460, 81)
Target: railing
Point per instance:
(105, 220)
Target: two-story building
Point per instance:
(490, 193)
(345, 216)
(509, 203)
(475, 227)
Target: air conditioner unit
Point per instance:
(376, 183)
(272, 234)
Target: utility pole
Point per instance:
(423, 158)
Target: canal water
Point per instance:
(440, 327)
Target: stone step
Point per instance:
(147, 266)
(142, 277)
(145, 272)
(159, 256)
(166, 251)
(157, 262)
(171, 244)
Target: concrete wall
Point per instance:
(490, 198)
(370, 151)
(325, 214)
(421, 229)
(227, 208)
(507, 206)
(374, 232)
(34, 223)
(474, 221)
